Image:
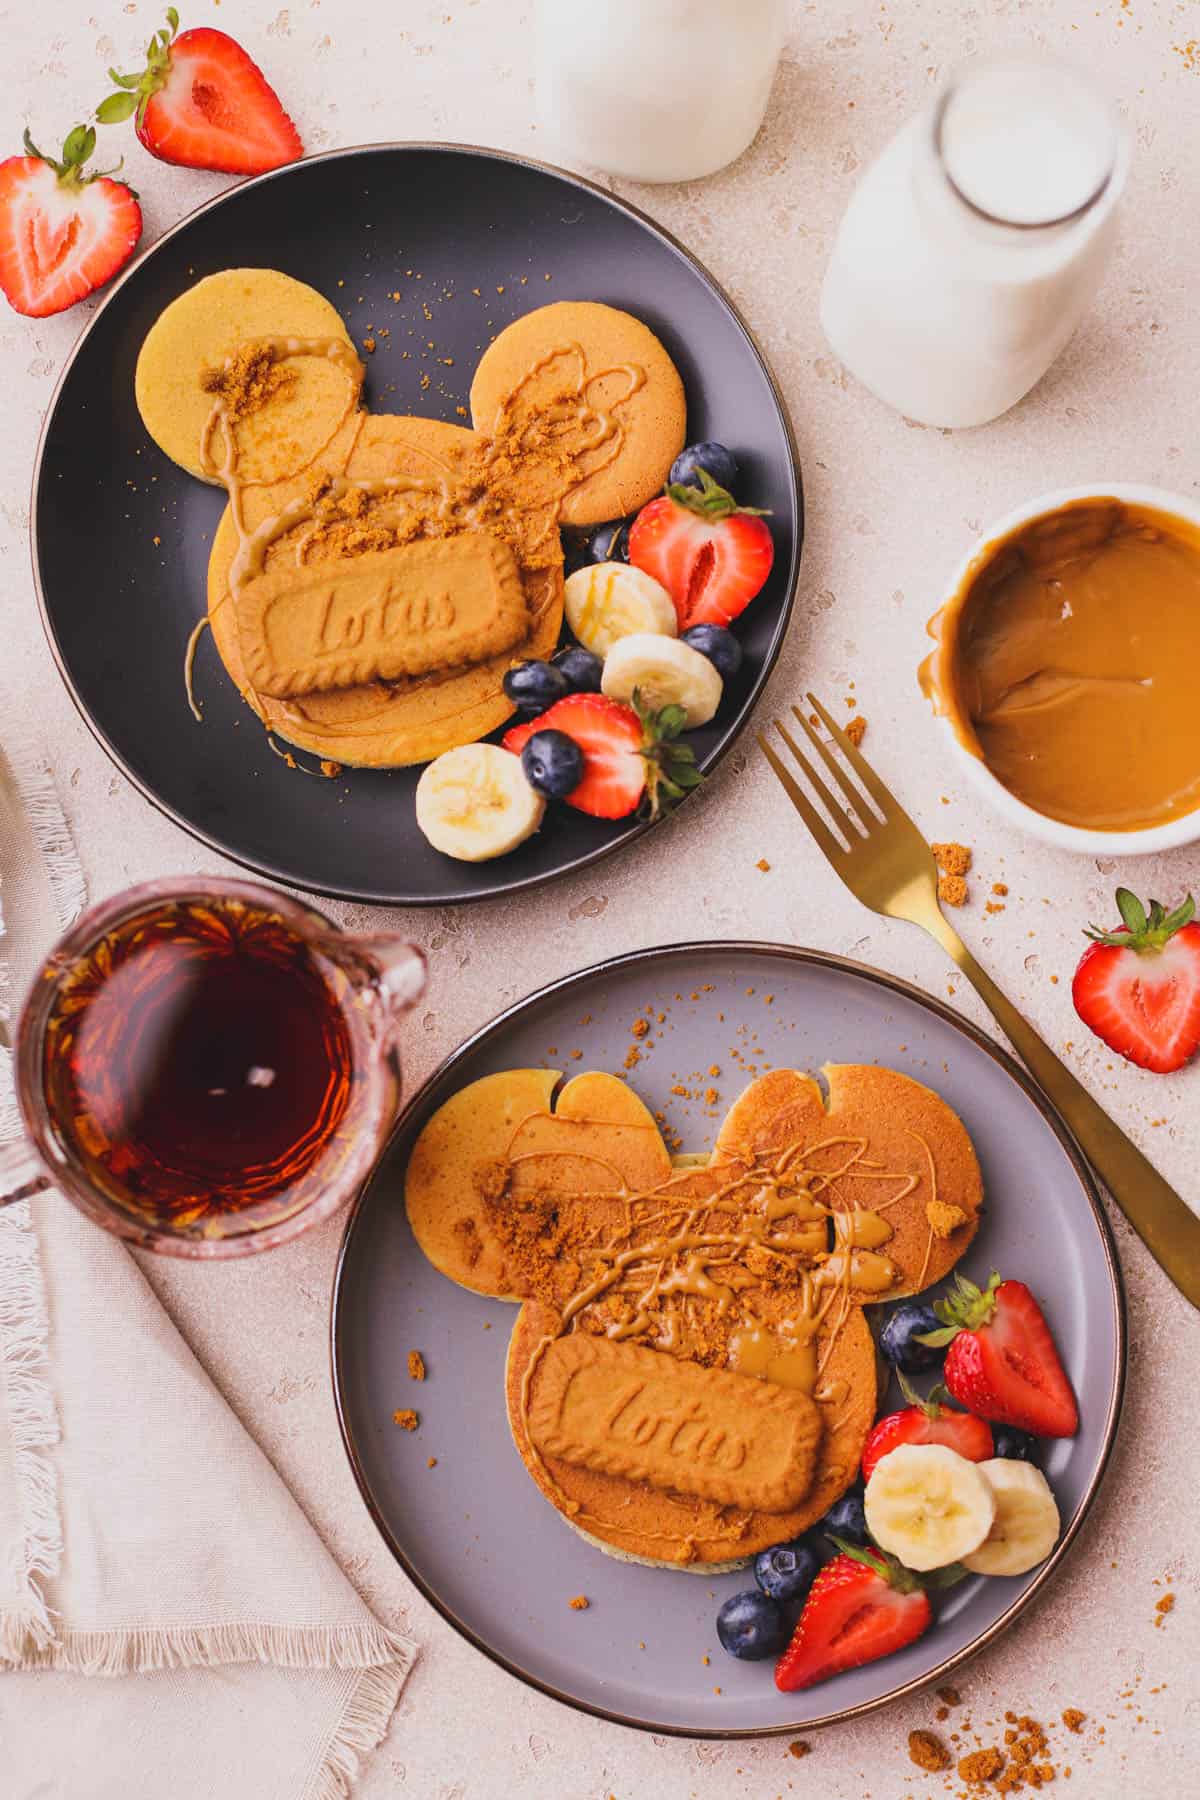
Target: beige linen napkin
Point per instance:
(144, 1537)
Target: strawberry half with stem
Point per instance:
(863, 1605)
(1002, 1362)
(710, 554)
(1138, 986)
(202, 102)
(927, 1421)
(631, 755)
(63, 233)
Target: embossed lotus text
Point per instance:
(411, 610)
(622, 1409)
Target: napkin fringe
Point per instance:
(33, 1423)
(38, 795)
(142, 1650)
(361, 1727)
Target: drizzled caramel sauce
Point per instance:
(511, 483)
(679, 1274)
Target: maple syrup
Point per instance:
(199, 1060)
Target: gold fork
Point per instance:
(887, 864)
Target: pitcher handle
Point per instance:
(397, 972)
(21, 1172)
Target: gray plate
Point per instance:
(474, 1533)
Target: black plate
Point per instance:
(121, 535)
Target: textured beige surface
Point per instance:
(890, 509)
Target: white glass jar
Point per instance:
(655, 90)
(972, 246)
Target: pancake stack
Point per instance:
(691, 1376)
(375, 576)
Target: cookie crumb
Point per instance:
(798, 1748)
(580, 1603)
(928, 1751)
(981, 1765)
(949, 1696)
(856, 730)
(952, 889)
(406, 1419)
(764, 865)
(1000, 887)
(944, 1218)
(1073, 1719)
(431, 1462)
(640, 1027)
(1163, 1606)
(416, 1365)
(711, 1096)
(954, 859)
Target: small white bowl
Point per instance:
(1153, 838)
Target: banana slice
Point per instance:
(928, 1505)
(1026, 1526)
(664, 672)
(611, 600)
(475, 803)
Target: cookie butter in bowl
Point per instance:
(1064, 668)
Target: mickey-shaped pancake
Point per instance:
(374, 577)
(691, 1376)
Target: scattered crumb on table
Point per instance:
(416, 1365)
(406, 1419)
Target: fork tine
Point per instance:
(882, 796)
(853, 794)
(836, 812)
(826, 842)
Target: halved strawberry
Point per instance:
(62, 233)
(1002, 1361)
(710, 554)
(927, 1422)
(201, 101)
(630, 755)
(863, 1605)
(1138, 986)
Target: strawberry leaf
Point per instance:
(1142, 931)
(946, 1577)
(116, 108)
(937, 1340)
(710, 500)
(1132, 911)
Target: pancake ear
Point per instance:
(779, 1109)
(602, 1138)
(909, 1128)
(442, 1187)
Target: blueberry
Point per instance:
(714, 458)
(581, 668)
(720, 646)
(1009, 1441)
(553, 764)
(533, 686)
(610, 542)
(847, 1519)
(785, 1571)
(751, 1626)
(898, 1339)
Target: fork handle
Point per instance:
(1164, 1222)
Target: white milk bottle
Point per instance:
(972, 246)
(655, 90)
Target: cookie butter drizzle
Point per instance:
(680, 1261)
(553, 440)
